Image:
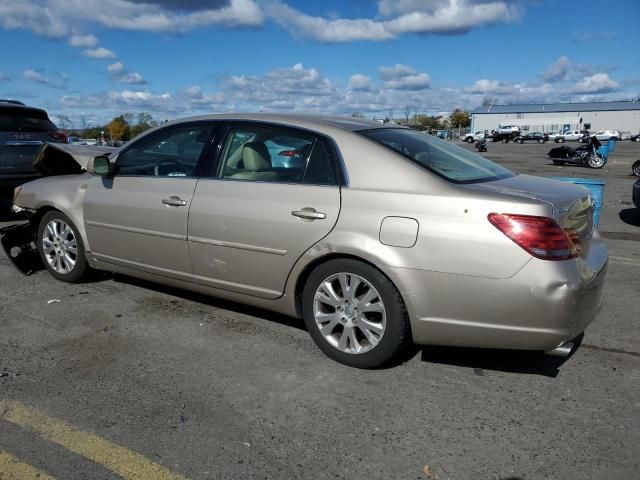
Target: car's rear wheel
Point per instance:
(560, 140)
(355, 314)
(61, 248)
(635, 168)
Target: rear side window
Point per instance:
(453, 163)
(25, 120)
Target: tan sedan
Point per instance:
(376, 235)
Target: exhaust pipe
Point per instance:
(563, 350)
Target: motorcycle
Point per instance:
(592, 154)
(481, 145)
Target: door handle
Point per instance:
(174, 201)
(309, 214)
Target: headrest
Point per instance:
(256, 157)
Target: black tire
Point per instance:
(635, 168)
(469, 140)
(520, 141)
(560, 140)
(397, 333)
(637, 139)
(540, 140)
(81, 269)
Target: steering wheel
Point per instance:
(169, 168)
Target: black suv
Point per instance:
(23, 131)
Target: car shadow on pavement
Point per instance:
(213, 301)
(630, 216)
(509, 361)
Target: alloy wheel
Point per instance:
(60, 246)
(349, 313)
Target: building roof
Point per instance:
(560, 107)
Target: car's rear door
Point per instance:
(138, 217)
(254, 217)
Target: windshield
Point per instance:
(448, 161)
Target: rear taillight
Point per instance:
(59, 136)
(542, 237)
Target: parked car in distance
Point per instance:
(573, 135)
(607, 135)
(381, 236)
(472, 137)
(533, 137)
(76, 141)
(23, 131)
(625, 135)
(508, 129)
(552, 135)
(635, 138)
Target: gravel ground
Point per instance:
(214, 390)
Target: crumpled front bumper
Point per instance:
(18, 242)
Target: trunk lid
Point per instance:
(572, 204)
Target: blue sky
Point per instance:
(89, 60)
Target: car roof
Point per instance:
(302, 120)
(19, 106)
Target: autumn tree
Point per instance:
(118, 128)
(460, 118)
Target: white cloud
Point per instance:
(59, 18)
(99, 52)
(359, 82)
(35, 76)
(121, 75)
(115, 68)
(402, 77)
(54, 79)
(83, 41)
(598, 83)
(133, 78)
(400, 17)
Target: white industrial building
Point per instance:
(560, 117)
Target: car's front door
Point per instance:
(138, 217)
(273, 194)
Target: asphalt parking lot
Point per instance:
(123, 379)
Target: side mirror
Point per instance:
(100, 165)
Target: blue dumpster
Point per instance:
(595, 186)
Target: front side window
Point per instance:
(171, 153)
(453, 163)
(275, 154)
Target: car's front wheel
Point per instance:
(355, 314)
(61, 248)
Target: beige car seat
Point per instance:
(257, 163)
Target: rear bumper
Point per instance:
(544, 305)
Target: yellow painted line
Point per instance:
(129, 465)
(13, 469)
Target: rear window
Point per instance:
(453, 163)
(25, 120)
